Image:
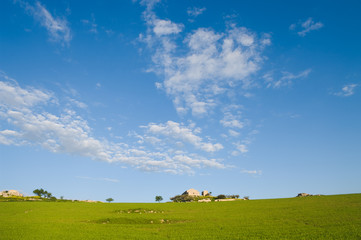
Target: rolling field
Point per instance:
(317, 217)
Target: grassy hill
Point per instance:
(316, 217)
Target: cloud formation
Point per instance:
(166, 27)
(100, 179)
(286, 78)
(347, 90)
(305, 27)
(23, 112)
(252, 172)
(176, 131)
(205, 65)
(195, 12)
(58, 28)
(232, 117)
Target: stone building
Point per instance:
(194, 193)
(191, 192)
(11, 193)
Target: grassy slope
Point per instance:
(323, 217)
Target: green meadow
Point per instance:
(316, 217)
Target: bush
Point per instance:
(232, 196)
(221, 196)
(182, 198)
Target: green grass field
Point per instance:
(317, 217)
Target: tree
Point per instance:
(109, 200)
(221, 196)
(38, 192)
(158, 198)
(48, 194)
(42, 193)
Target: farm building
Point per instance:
(194, 193)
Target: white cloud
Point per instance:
(242, 147)
(8, 137)
(232, 117)
(185, 134)
(100, 179)
(306, 26)
(252, 172)
(195, 11)
(285, 80)
(77, 103)
(347, 90)
(232, 123)
(149, 3)
(58, 28)
(205, 65)
(233, 133)
(166, 27)
(24, 110)
(13, 95)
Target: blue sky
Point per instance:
(133, 99)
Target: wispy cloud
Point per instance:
(195, 12)
(99, 179)
(57, 27)
(347, 90)
(252, 172)
(204, 67)
(305, 27)
(232, 117)
(242, 147)
(286, 78)
(183, 133)
(76, 103)
(93, 27)
(30, 123)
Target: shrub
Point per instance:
(232, 196)
(221, 196)
(182, 198)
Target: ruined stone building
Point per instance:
(10, 193)
(191, 192)
(205, 193)
(194, 193)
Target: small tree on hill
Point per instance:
(42, 193)
(221, 196)
(38, 192)
(109, 200)
(158, 198)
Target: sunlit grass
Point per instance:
(317, 217)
